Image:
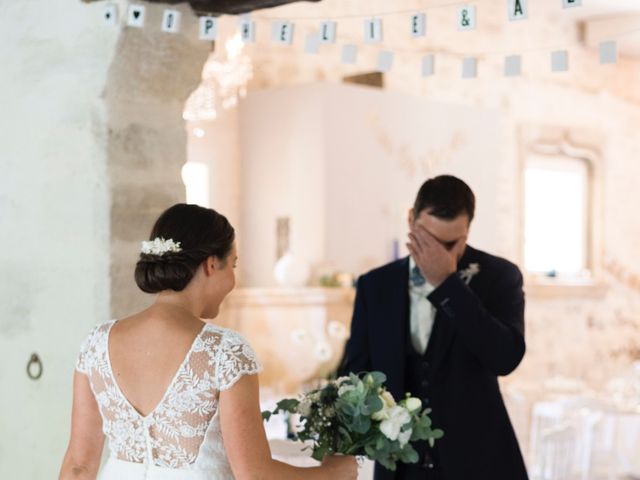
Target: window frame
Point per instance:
(574, 144)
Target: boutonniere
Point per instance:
(468, 273)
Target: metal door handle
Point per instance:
(35, 360)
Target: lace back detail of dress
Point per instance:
(173, 433)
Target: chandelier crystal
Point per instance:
(223, 83)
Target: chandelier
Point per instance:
(224, 82)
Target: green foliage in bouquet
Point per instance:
(357, 416)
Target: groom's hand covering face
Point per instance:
(437, 245)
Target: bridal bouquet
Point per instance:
(357, 416)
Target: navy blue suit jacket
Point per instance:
(481, 336)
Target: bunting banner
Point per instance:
(283, 33)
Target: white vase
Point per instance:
(291, 271)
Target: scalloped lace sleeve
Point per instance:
(88, 350)
(236, 358)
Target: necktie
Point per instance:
(416, 279)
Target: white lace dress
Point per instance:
(181, 437)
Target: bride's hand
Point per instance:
(341, 467)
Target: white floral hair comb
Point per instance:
(160, 246)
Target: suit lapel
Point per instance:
(441, 340)
(393, 319)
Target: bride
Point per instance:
(176, 397)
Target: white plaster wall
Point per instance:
(91, 143)
(346, 162)
(54, 218)
(219, 148)
(282, 153)
(381, 146)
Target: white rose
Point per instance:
(413, 404)
(404, 437)
(397, 417)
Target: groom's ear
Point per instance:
(411, 217)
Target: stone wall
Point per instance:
(149, 81)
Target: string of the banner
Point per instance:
(352, 15)
(369, 15)
(377, 43)
(374, 15)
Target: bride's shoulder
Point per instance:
(96, 332)
(93, 346)
(216, 335)
(232, 355)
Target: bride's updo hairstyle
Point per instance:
(193, 234)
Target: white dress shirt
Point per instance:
(422, 312)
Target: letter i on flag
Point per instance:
(373, 30)
(171, 21)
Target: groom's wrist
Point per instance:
(443, 294)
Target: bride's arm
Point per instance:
(82, 459)
(247, 446)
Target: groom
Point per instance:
(443, 324)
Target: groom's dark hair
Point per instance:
(445, 197)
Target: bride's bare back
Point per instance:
(146, 351)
